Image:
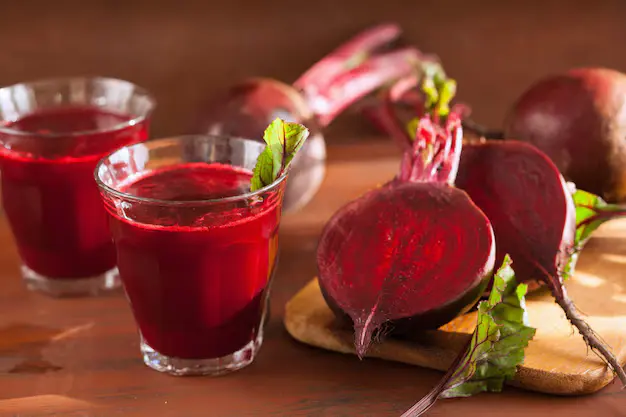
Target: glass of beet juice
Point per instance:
(196, 249)
(52, 134)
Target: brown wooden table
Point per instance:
(80, 357)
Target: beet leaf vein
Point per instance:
(283, 140)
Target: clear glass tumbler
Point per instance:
(196, 249)
(52, 134)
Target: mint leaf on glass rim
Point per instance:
(283, 141)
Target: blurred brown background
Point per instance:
(185, 50)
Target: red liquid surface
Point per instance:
(49, 193)
(197, 280)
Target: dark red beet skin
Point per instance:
(579, 120)
(413, 254)
(527, 201)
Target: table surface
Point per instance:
(80, 357)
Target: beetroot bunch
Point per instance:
(537, 218)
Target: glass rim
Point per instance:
(58, 80)
(155, 143)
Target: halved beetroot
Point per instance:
(534, 218)
(414, 253)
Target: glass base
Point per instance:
(90, 286)
(194, 367)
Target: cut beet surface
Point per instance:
(410, 255)
(419, 265)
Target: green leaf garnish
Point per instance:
(496, 347)
(283, 140)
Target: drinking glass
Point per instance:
(52, 134)
(196, 249)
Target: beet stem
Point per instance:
(603, 215)
(384, 119)
(574, 316)
(349, 86)
(429, 399)
(383, 116)
(482, 131)
(436, 152)
(351, 53)
(589, 335)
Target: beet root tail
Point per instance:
(364, 330)
(590, 337)
(362, 340)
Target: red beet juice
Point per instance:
(48, 191)
(197, 273)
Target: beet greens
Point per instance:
(495, 348)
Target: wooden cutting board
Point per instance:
(557, 360)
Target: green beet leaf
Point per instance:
(496, 348)
(283, 141)
(498, 342)
(591, 212)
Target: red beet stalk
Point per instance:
(348, 87)
(412, 254)
(354, 70)
(353, 52)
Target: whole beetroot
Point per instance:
(340, 79)
(579, 120)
